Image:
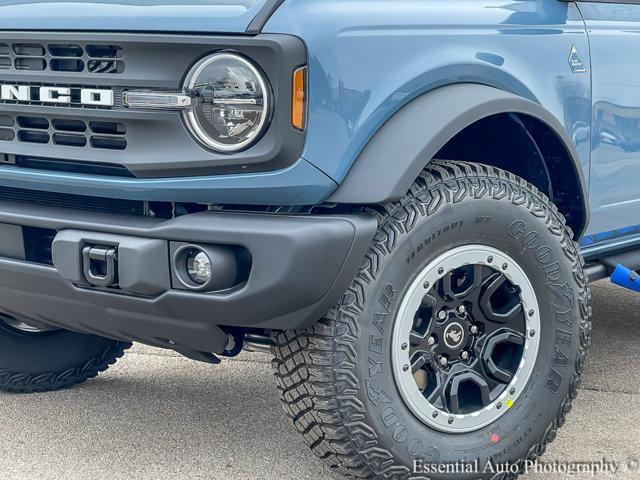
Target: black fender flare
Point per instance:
(410, 139)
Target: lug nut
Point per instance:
(431, 341)
(464, 355)
(442, 314)
(474, 329)
(443, 361)
(462, 309)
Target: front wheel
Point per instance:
(458, 349)
(38, 360)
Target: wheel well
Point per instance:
(528, 148)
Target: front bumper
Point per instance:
(300, 266)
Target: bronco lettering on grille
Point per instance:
(57, 95)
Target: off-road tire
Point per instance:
(52, 360)
(331, 385)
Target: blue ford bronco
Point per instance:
(401, 201)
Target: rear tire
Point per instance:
(337, 379)
(41, 361)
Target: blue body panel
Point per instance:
(300, 184)
(211, 16)
(615, 162)
(369, 58)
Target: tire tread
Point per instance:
(13, 382)
(314, 368)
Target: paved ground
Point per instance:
(159, 416)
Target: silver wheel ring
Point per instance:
(413, 398)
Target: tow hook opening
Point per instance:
(100, 265)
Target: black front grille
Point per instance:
(62, 57)
(149, 143)
(38, 244)
(80, 202)
(63, 131)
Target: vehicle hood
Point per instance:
(197, 16)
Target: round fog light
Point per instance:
(199, 266)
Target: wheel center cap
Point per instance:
(454, 335)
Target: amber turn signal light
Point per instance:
(299, 106)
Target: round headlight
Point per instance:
(231, 103)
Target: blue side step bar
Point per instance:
(625, 277)
(620, 267)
